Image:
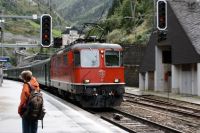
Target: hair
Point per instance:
(26, 75)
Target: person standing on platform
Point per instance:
(28, 125)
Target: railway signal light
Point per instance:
(162, 35)
(57, 42)
(46, 30)
(161, 15)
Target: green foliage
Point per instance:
(23, 27)
(116, 36)
(126, 11)
(27, 8)
(115, 5)
(56, 33)
(133, 18)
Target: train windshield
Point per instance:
(89, 58)
(112, 58)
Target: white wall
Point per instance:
(194, 80)
(198, 79)
(146, 81)
(159, 71)
(175, 79)
(188, 80)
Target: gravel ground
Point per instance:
(164, 118)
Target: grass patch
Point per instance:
(56, 33)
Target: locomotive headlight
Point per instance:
(116, 80)
(86, 81)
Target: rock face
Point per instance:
(79, 11)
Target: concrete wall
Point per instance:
(146, 81)
(159, 71)
(194, 79)
(162, 71)
(141, 81)
(175, 79)
(184, 79)
(198, 79)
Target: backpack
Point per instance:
(34, 105)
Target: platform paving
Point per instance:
(61, 117)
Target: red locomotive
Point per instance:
(92, 72)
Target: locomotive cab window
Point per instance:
(77, 58)
(121, 59)
(89, 58)
(112, 58)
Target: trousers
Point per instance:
(29, 126)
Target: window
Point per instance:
(65, 60)
(76, 58)
(90, 58)
(166, 57)
(186, 67)
(112, 58)
(121, 59)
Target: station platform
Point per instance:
(61, 116)
(187, 98)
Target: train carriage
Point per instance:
(41, 70)
(14, 73)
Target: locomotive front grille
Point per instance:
(106, 90)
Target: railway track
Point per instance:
(173, 101)
(187, 111)
(133, 123)
(184, 119)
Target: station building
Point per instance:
(173, 65)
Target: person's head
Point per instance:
(26, 75)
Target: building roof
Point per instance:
(183, 36)
(188, 14)
(148, 61)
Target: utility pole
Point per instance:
(154, 15)
(1, 30)
(1, 67)
(50, 6)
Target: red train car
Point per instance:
(91, 73)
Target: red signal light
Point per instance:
(161, 15)
(46, 29)
(45, 36)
